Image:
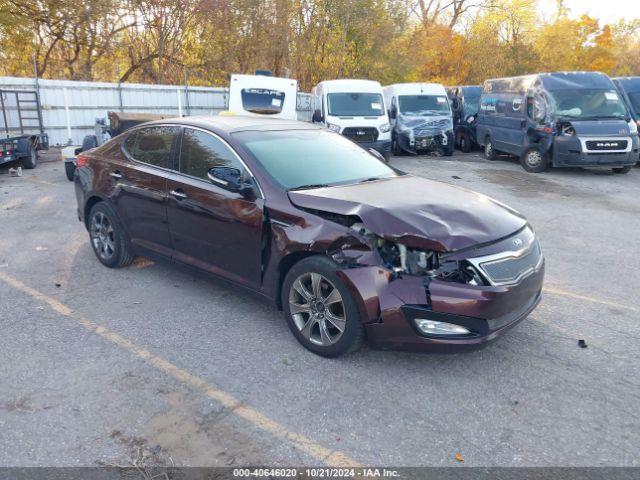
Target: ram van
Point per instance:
(562, 119)
(465, 101)
(355, 109)
(629, 89)
(421, 118)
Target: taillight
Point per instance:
(81, 160)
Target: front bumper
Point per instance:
(569, 151)
(389, 305)
(438, 141)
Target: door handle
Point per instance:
(179, 194)
(116, 174)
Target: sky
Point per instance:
(607, 11)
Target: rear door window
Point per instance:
(152, 145)
(203, 151)
(261, 100)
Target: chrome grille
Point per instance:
(510, 269)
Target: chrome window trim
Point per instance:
(585, 139)
(477, 262)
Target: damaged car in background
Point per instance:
(562, 119)
(421, 118)
(350, 248)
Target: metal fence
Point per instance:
(69, 108)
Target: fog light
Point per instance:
(431, 327)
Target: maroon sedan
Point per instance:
(349, 247)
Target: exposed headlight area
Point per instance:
(633, 127)
(333, 127)
(384, 128)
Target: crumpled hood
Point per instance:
(601, 127)
(435, 123)
(417, 212)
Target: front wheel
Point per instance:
(320, 311)
(465, 143)
(622, 170)
(395, 147)
(69, 170)
(533, 160)
(107, 237)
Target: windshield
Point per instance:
(634, 97)
(263, 101)
(588, 104)
(471, 105)
(355, 104)
(305, 158)
(423, 105)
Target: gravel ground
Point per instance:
(100, 365)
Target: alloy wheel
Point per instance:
(534, 158)
(102, 236)
(317, 309)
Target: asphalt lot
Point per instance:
(106, 366)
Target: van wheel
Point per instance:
(489, 151)
(622, 170)
(465, 143)
(395, 148)
(534, 161)
(69, 170)
(320, 311)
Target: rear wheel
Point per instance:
(69, 169)
(320, 311)
(31, 160)
(533, 160)
(489, 152)
(622, 170)
(107, 237)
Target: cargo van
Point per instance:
(465, 101)
(562, 119)
(261, 95)
(356, 109)
(421, 118)
(629, 89)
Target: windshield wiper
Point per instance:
(310, 186)
(370, 179)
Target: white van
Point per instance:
(421, 118)
(259, 95)
(356, 109)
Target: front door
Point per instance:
(212, 228)
(139, 186)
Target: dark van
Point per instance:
(465, 101)
(629, 88)
(563, 119)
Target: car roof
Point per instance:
(237, 123)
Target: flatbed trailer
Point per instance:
(22, 127)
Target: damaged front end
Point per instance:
(421, 299)
(428, 135)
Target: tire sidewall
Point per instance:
(352, 335)
(31, 160)
(69, 170)
(489, 149)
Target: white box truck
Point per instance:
(355, 109)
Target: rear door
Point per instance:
(139, 186)
(212, 228)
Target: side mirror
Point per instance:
(229, 178)
(377, 154)
(393, 113)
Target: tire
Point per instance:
(89, 142)
(534, 161)
(31, 160)
(307, 320)
(622, 170)
(465, 143)
(105, 229)
(448, 151)
(395, 148)
(489, 152)
(70, 170)
(387, 157)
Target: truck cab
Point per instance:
(465, 101)
(355, 109)
(261, 95)
(561, 119)
(421, 118)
